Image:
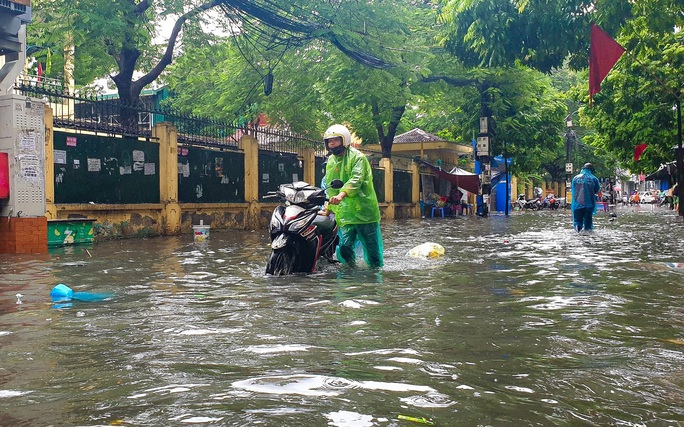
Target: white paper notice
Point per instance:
(29, 165)
(149, 169)
(94, 165)
(60, 157)
(27, 142)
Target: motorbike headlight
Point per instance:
(299, 197)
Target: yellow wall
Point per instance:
(169, 217)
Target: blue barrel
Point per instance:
(501, 196)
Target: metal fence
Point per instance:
(108, 115)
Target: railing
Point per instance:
(108, 115)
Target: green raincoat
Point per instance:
(361, 204)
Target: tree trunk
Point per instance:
(387, 139)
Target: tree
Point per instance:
(117, 38)
(315, 85)
(536, 33)
(638, 100)
(525, 107)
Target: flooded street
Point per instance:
(522, 322)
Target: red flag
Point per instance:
(40, 71)
(639, 150)
(603, 54)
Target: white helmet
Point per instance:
(338, 130)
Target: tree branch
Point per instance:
(167, 58)
(376, 120)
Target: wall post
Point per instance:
(250, 147)
(309, 162)
(50, 208)
(388, 166)
(415, 190)
(167, 137)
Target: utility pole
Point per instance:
(680, 155)
(483, 153)
(508, 188)
(569, 139)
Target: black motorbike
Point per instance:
(299, 235)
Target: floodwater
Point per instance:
(522, 322)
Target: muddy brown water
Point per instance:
(522, 322)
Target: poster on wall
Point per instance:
(94, 165)
(60, 157)
(29, 167)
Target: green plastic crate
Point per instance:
(70, 231)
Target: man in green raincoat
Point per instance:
(355, 204)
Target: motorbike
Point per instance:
(299, 235)
(523, 204)
(549, 202)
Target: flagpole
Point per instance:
(680, 155)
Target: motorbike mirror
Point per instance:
(336, 183)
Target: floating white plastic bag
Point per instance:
(427, 250)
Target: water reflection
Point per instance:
(521, 322)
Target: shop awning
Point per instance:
(458, 177)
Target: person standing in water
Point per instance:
(355, 205)
(585, 188)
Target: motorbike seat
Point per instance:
(325, 224)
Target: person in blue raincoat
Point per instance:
(585, 188)
(355, 205)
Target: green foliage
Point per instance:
(537, 33)
(637, 102)
(315, 84)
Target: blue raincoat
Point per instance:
(585, 187)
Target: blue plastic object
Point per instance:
(61, 292)
(440, 210)
(90, 296)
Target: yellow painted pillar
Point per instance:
(514, 189)
(388, 166)
(167, 136)
(415, 190)
(50, 209)
(250, 147)
(309, 162)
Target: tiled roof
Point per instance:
(416, 135)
